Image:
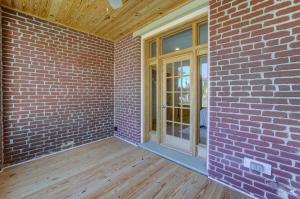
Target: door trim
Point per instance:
(196, 50)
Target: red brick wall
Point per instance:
(58, 87)
(255, 94)
(1, 109)
(128, 88)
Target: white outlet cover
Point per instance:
(267, 167)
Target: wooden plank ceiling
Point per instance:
(96, 17)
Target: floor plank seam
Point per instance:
(52, 154)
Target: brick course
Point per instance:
(1, 103)
(255, 95)
(58, 87)
(128, 88)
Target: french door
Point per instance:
(176, 107)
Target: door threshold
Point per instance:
(176, 149)
(194, 163)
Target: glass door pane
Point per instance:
(153, 49)
(153, 98)
(203, 81)
(203, 33)
(178, 41)
(177, 112)
(185, 99)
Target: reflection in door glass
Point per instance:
(203, 98)
(153, 49)
(177, 84)
(186, 67)
(169, 128)
(177, 69)
(177, 99)
(204, 80)
(169, 84)
(177, 41)
(169, 114)
(169, 99)
(169, 70)
(186, 83)
(177, 130)
(177, 114)
(186, 132)
(154, 96)
(185, 99)
(203, 31)
(186, 116)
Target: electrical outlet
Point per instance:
(258, 166)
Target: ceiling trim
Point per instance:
(192, 16)
(190, 10)
(150, 20)
(55, 23)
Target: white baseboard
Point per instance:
(125, 140)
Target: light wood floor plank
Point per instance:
(85, 182)
(151, 189)
(109, 168)
(190, 188)
(117, 181)
(170, 182)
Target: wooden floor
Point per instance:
(107, 169)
